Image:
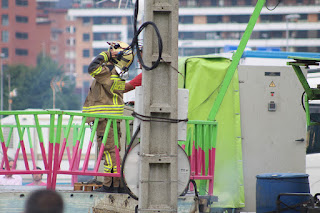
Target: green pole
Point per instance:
(67, 129)
(235, 59)
(40, 136)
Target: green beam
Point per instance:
(303, 81)
(235, 59)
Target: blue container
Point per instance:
(270, 185)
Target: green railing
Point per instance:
(65, 135)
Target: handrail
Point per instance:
(53, 137)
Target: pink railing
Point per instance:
(55, 148)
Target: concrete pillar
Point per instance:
(158, 166)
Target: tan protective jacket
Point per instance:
(106, 92)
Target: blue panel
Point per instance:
(277, 54)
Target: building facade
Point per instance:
(23, 35)
(73, 36)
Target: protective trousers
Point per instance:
(110, 163)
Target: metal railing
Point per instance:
(51, 135)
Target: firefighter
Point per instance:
(109, 70)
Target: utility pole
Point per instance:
(1, 103)
(53, 92)
(288, 18)
(158, 150)
(9, 93)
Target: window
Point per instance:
(22, 2)
(4, 4)
(240, 19)
(70, 29)
(186, 35)
(22, 36)
(301, 34)
(5, 36)
(248, 2)
(70, 67)
(214, 19)
(199, 35)
(71, 41)
(85, 68)
(21, 52)
(212, 35)
(22, 19)
(86, 20)
(214, 2)
(276, 34)
(86, 37)
(186, 19)
(53, 50)
(70, 18)
(106, 36)
(107, 20)
(5, 20)
(54, 36)
(98, 51)
(70, 54)
(86, 53)
(5, 50)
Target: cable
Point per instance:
(157, 119)
(304, 108)
(135, 44)
(195, 187)
(302, 101)
(279, 1)
(124, 161)
(175, 69)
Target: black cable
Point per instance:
(302, 101)
(134, 43)
(279, 1)
(124, 161)
(304, 108)
(195, 187)
(157, 119)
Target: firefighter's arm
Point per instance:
(95, 67)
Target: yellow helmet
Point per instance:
(124, 57)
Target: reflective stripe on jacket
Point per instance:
(106, 92)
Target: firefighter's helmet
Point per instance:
(124, 57)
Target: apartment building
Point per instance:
(23, 35)
(62, 39)
(74, 36)
(205, 27)
(32, 27)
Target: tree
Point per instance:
(33, 86)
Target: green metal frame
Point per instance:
(311, 93)
(235, 59)
(204, 135)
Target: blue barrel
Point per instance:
(270, 185)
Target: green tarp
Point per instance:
(202, 76)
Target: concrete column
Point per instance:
(158, 166)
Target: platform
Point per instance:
(13, 198)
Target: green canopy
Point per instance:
(202, 76)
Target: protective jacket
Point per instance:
(106, 92)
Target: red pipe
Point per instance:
(44, 157)
(23, 149)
